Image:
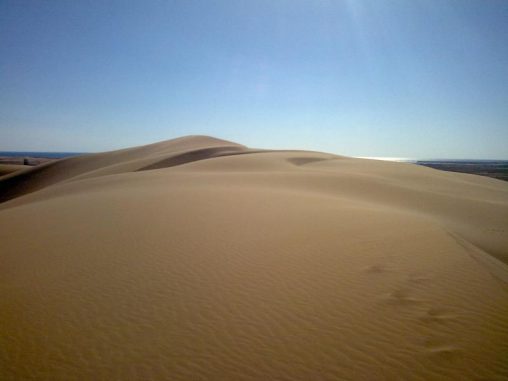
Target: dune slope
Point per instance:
(201, 259)
(6, 169)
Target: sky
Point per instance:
(397, 78)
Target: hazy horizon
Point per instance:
(420, 79)
(385, 158)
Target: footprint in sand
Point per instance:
(418, 279)
(437, 315)
(402, 297)
(445, 352)
(375, 269)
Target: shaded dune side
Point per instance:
(5, 169)
(125, 160)
(210, 153)
(196, 155)
(160, 155)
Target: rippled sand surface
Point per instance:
(201, 259)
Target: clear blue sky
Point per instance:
(408, 78)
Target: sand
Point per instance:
(5, 169)
(201, 259)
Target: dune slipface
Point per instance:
(201, 259)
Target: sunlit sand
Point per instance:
(201, 259)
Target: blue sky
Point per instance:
(403, 78)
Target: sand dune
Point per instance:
(201, 259)
(5, 169)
